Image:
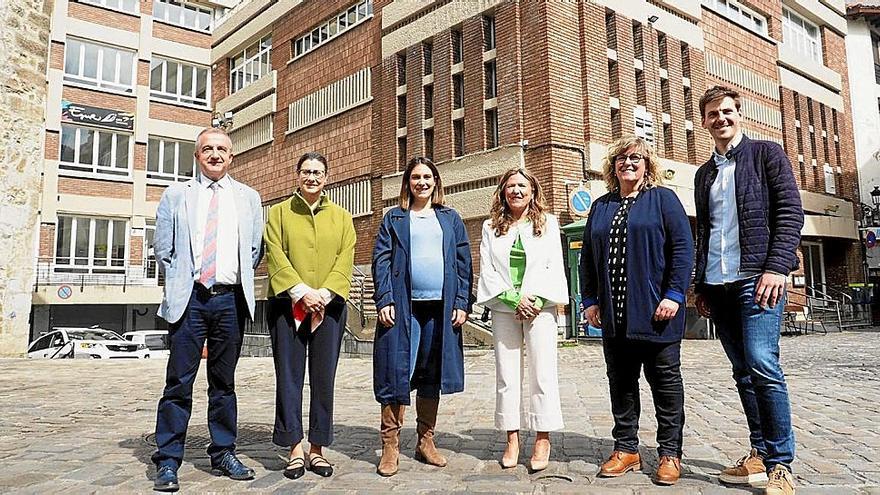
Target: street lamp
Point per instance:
(875, 196)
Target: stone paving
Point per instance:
(84, 427)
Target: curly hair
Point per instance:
(652, 172)
(500, 213)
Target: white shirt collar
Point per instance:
(224, 182)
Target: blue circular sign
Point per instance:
(64, 292)
(870, 239)
(580, 202)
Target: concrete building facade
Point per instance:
(863, 44)
(129, 87)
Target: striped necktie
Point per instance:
(209, 250)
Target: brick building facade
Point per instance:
(484, 86)
(128, 90)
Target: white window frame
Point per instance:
(177, 95)
(740, 14)
(159, 176)
(125, 6)
(93, 169)
(343, 21)
(99, 81)
(166, 15)
(643, 124)
(796, 34)
(255, 58)
(113, 265)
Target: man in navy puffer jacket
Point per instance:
(749, 220)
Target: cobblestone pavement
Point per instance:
(81, 426)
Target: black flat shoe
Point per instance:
(295, 468)
(166, 480)
(320, 466)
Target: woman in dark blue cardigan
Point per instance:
(635, 266)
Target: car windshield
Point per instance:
(94, 335)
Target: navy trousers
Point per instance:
(219, 318)
(291, 349)
(427, 324)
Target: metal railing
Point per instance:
(359, 277)
(144, 274)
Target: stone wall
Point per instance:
(24, 43)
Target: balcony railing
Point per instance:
(145, 274)
(877, 72)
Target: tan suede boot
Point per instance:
(392, 421)
(426, 451)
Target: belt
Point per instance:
(217, 289)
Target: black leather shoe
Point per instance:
(229, 465)
(166, 480)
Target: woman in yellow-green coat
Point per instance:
(310, 250)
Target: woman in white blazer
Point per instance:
(522, 279)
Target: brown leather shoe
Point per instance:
(669, 470)
(426, 419)
(619, 464)
(392, 421)
(749, 470)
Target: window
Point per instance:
(427, 58)
(170, 160)
(830, 185)
(179, 82)
(99, 66)
(96, 245)
(488, 33)
(802, 35)
(875, 50)
(491, 80)
(401, 152)
(120, 5)
(401, 111)
(457, 91)
(99, 151)
(250, 64)
(492, 140)
(457, 47)
(458, 137)
(401, 69)
(740, 14)
(332, 28)
(429, 143)
(183, 14)
(428, 101)
(644, 124)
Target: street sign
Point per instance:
(579, 202)
(870, 239)
(64, 292)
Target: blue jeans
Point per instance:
(750, 337)
(220, 320)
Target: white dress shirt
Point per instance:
(724, 256)
(228, 270)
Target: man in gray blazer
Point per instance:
(208, 241)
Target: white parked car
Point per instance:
(157, 341)
(88, 343)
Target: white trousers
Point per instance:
(542, 411)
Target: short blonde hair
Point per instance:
(652, 172)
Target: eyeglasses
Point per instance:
(318, 174)
(632, 158)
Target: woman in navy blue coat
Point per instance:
(423, 276)
(636, 265)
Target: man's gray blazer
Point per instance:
(174, 243)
